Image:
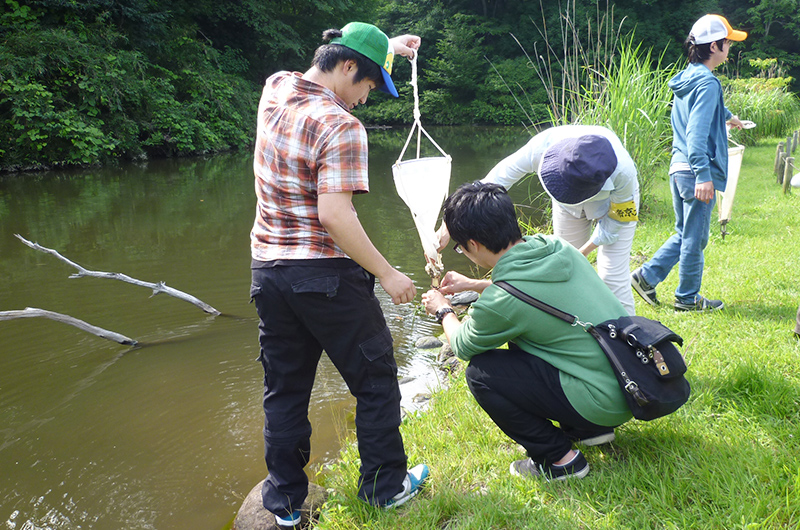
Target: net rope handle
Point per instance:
(417, 115)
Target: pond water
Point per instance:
(167, 435)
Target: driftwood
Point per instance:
(157, 288)
(30, 312)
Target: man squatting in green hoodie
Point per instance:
(551, 371)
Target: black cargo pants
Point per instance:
(305, 307)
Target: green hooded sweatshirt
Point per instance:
(553, 271)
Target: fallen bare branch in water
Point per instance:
(30, 312)
(157, 288)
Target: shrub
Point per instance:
(765, 100)
(75, 96)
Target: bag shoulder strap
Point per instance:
(630, 386)
(535, 302)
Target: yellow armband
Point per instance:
(624, 212)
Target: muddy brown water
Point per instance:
(167, 435)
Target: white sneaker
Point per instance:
(411, 485)
(291, 521)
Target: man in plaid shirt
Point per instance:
(314, 268)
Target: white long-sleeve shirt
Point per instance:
(616, 203)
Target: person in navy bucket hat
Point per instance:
(575, 169)
(592, 182)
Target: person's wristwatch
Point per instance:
(442, 312)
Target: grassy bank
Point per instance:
(728, 459)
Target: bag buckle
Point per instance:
(663, 369)
(633, 389)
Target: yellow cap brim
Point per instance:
(737, 35)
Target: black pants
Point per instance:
(522, 394)
(304, 309)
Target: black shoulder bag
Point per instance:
(649, 367)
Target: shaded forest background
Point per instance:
(87, 82)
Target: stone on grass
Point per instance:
(451, 365)
(445, 353)
(253, 516)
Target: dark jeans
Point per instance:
(304, 309)
(522, 394)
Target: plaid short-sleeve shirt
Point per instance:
(307, 143)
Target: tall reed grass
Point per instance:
(630, 96)
(775, 110)
(601, 76)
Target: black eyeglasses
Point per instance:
(457, 248)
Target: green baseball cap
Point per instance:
(371, 42)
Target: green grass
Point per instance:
(726, 460)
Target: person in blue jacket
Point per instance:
(698, 168)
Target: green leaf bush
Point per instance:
(74, 96)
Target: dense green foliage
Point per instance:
(480, 58)
(87, 82)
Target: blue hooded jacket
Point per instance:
(699, 137)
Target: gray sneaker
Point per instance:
(575, 468)
(701, 303)
(645, 290)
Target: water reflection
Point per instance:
(168, 434)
